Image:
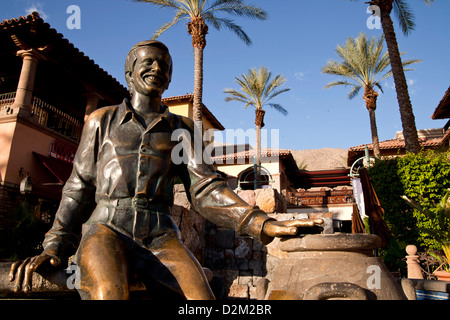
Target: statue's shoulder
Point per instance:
(100, 115)
(180, 122)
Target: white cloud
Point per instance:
(389, 84)
(37, 7)
(299, 75)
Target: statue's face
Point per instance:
(151, 72)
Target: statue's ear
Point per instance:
(130, 83)
(129, 78)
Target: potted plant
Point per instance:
(441, 219)
(443, 274)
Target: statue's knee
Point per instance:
(109, 292)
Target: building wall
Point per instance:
(273, 167)
(6, 137)
(25, 141)
(185, 109)
(180, 109)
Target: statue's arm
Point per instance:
(211, 196)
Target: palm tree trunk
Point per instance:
(259, 122)
(406, 113)
(258, 157)
(198, 29)
(198, 85)
(370, 97)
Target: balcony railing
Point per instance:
(48, 116)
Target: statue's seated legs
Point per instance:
(108, 261)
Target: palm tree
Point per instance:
(257, 90)
(406, 20)
(363, 66)
(198, 13)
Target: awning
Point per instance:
(61, 170)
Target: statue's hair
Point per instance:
(130, 61)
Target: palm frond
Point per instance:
(405, 16)
(338, 83)
(352, 94)
(378, 85)
(363, 64)
(218, 23)
(238, 8)
(180, 15)
(257, 88)
(279, 108)
(162, 3)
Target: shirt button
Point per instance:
(144, 149)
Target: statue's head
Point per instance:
(148, 68)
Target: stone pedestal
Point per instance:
(412, 261)
(332, 266)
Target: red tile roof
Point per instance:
(400, 143)
(56, 42)
(267, 152)
(442, 111)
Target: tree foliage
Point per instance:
(425, 179)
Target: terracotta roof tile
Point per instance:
(442, 110)
(399, 144)
(34, 18)
(268, 152)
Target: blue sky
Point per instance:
(296, 40)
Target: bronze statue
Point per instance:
(120, 190)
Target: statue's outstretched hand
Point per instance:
(289, 227)
(22, 271)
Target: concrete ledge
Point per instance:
(45, 285)
(431, 285)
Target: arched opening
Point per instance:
(246, 179)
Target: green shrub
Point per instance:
(423, 178)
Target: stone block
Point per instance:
(245, 277)
(266, 199)
(258, 255)
(253, 293)
(327, 221)
(257, 246)
(257, 267)
(225, 238)
(248, 196)
(242, 264)
(214, 258)
(243, 248)
(239, 291)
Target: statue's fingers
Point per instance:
(286, 231)
(308, 222)
(29, 270)
(301, 223)
(318, 221)
(20, 275)
(13, 270)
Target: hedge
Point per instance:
(423, 178)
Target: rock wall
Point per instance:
(242, 267)
(190, 223)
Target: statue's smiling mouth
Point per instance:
(153, 78)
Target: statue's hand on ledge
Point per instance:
(273, 228)
(22, 271)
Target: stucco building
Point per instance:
(47, 88)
